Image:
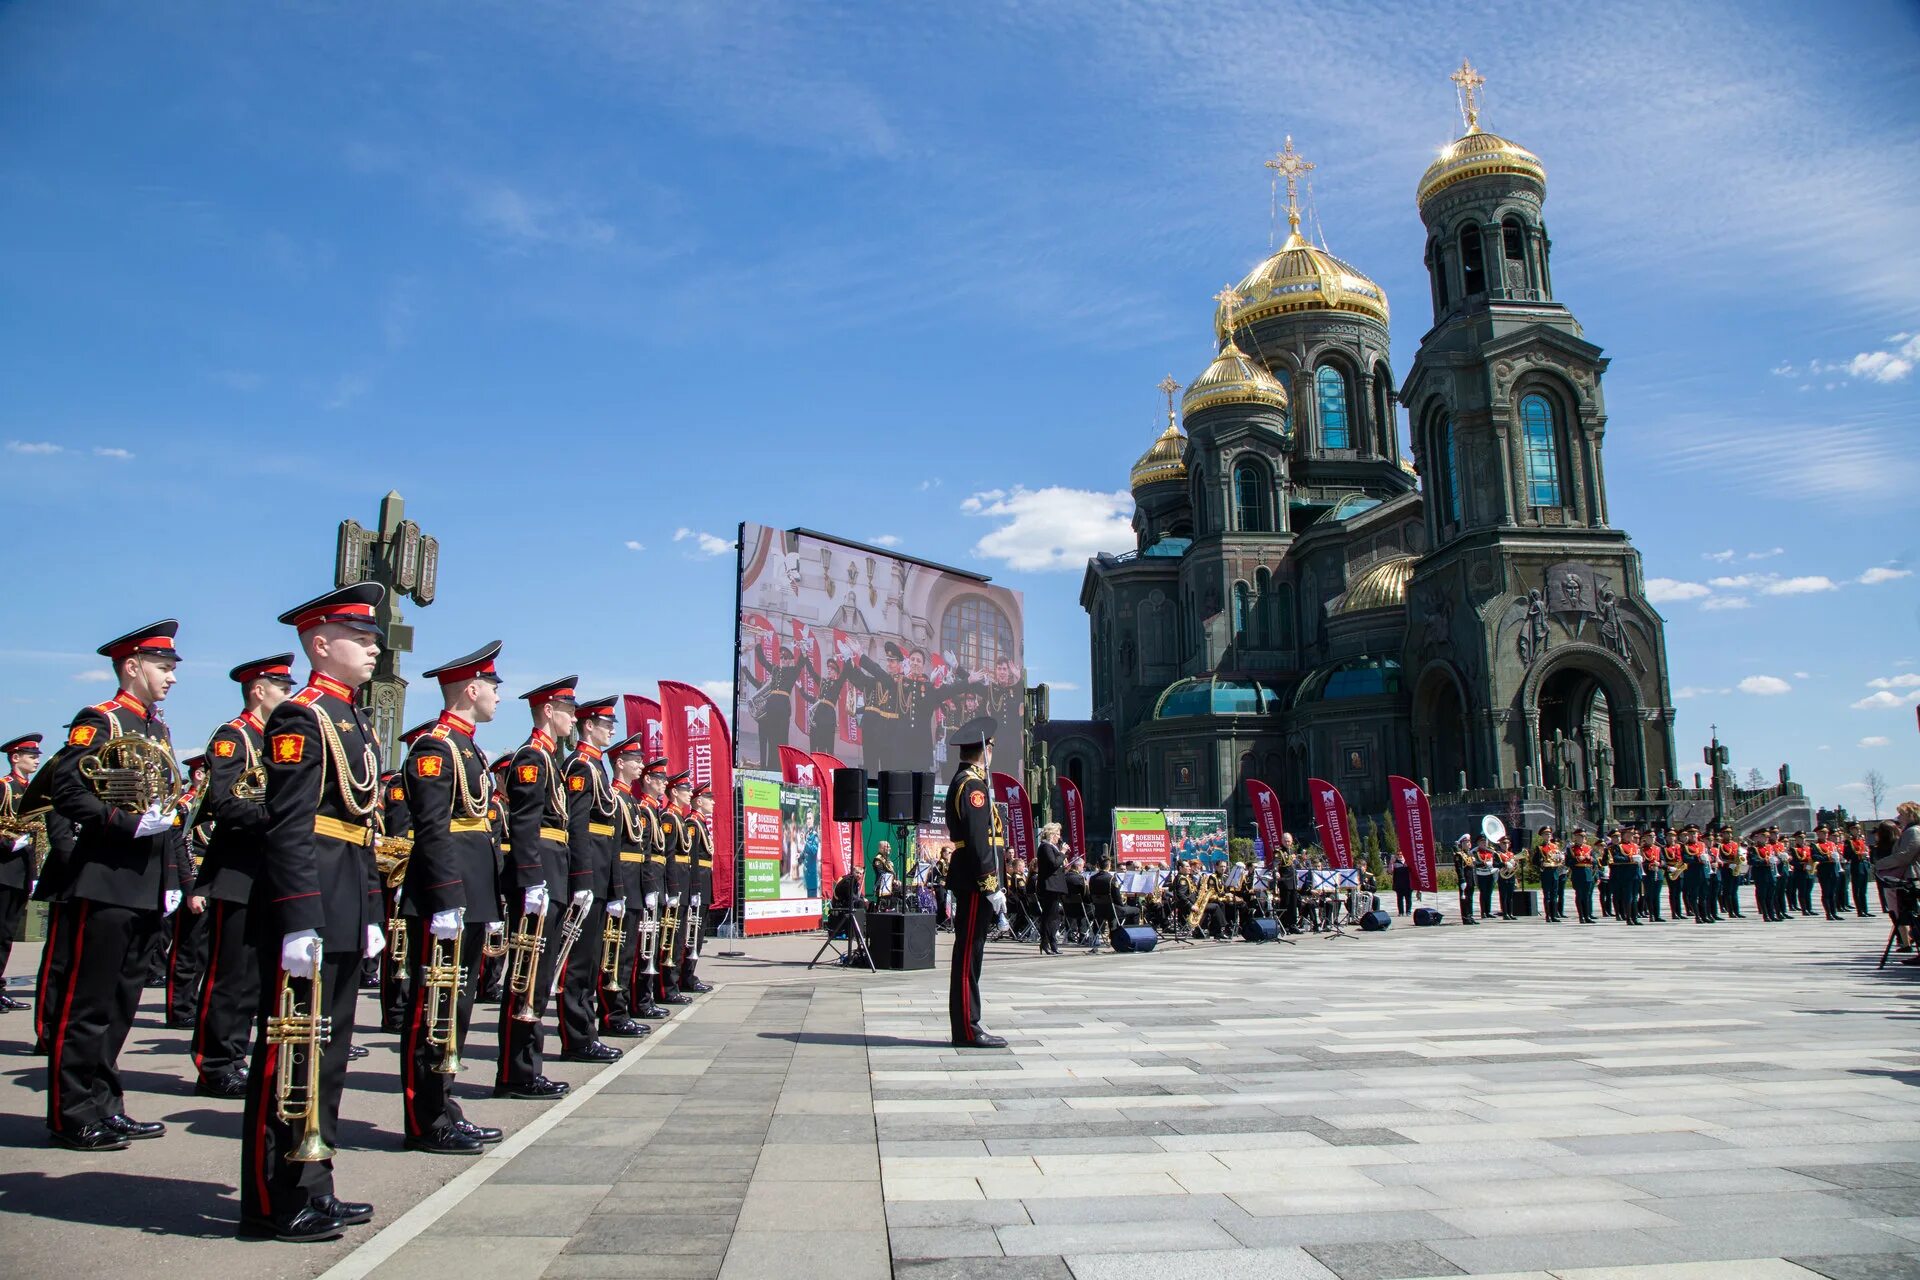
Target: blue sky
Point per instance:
(590, 283)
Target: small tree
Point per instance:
(1876, 789)
(1756, 780)
(1240, 849)
(1389, 835)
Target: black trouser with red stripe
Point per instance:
(667, 981)
(13, 917)
(229, 994)
(579, 1003)
(396, 990)
(106, 969)
(186, 961)
(273, 1188)
(617, 1002)
(53, 968)
(522, 1044)
(426, 1095)
(972, 917)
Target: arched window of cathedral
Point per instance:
(1437, 267)
(1262, 609)
(1250, 498)
(1383, 423)
(1443, 444)
(1542, 449)
(1242, 612)
(1473, 267)
(1077, 770)
(1330, 397)
(1513, 243)
(1283, 616)
(1199, 501)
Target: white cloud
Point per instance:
(1893, 364)
(1882, 573)
(1669, 590)
(347, 388)
(1884, 700)
(1905, 680)
(1800, 586)
(635, 546)
(1052, 528)
(885, 540)
(118, 455)
(1875, 741)
(1721, 556)
(721, 691)
(1768, 554)
(33, 447)
(707, 544)
(1765, 686)
(93, 677)
(1063, 686)
(1802, 675)
(1725, 602)
(1697, 691)
(518, 219)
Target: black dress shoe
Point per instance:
(350, 1212)
(492, 995)
(985, 1040)
(479, 1132)
(8, 1004)
(355, 1052)
(539, 1089)
(697, 986)
(231, 1085)
(187, 1023)
(451, 1142)
(305, 1227)
(134, 1130)
(598, 1051)
(624, 1027)
(649, 1010)
(91, 1137)
(677, 998)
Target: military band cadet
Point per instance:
(536, 868)
(696, 834)
(122, 882)
(619, 992)
(975, 874)
(18, 853)
(51, 887)
(235, 805)
(1859, 867)
(673, 893)
(393, 971)
(185, 933)
(650, 793)
(591, 873)
(449, 901)
(1580, 857)
(318, 911)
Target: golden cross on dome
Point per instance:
(1468, 81)
(1229, 298)
(1290, 165)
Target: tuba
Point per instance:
(297, 1071)
(133, 773)
(251, 784)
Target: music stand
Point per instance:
(852, 935)
(1334, 881)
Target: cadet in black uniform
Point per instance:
(650, 794)
(51, 886)
(536, 868)
(696, 833)
(17, 852)
(123, 881)
(632, 835)
(974, 824)
(590, 851)
(317, 908)
(186, 928)
(673, 893)
(235, 807)
(448, 896)
(392, 971)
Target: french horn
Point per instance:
(133, 773)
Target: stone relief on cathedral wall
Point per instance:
(1577, 599)
(1505, 370)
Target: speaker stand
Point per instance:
(855, 943)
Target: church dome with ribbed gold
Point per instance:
(1476, 153)
(1234, 377)
(1303, 277)
(1166, 460)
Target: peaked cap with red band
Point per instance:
(704, 789)
(628, 745)
(280, 664)
(419, 730)
(657, 767)
(155, 640)
(349, 606)
(477, 665)
(560, 690)
(680, 779)
(194, 762)
(25, 742)
(598, 709)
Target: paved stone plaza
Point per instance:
(1732, 1101)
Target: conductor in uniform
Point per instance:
(974, 879)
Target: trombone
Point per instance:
(297, 1071)
(442, 978)
(525, 946)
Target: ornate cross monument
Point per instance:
(1290, 165)
(1468, 82)
(406, 562)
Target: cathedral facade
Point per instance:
(1303, 601)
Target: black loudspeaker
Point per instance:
(1424, 916)
(923, 798)
(1254, 929)
(1526, 902)
(896, 796)
(849, 795)
(1375, 921)
(1133, 938)
(900, 940)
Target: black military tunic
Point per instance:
(673, 906)
(231, 992)
(974, 874)
(392, 968)
(537, 834)
(697, 837)
(591, 866)
(649, 889)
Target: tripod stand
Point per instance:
(846, 939)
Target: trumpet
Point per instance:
(297, 1072)
(649, 938)
(572, 925)
(443, 977)
(696, 925)
(251, 784)
(669, 930)
(613, 937)
(526, 944)
(494, 944)
(133, 773)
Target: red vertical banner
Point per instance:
(1330, 815)
(1266, 818)
(643, 716)
(841, 848)
(1073, 807)
(1009, 791)
(1413, 823)
(697, 741)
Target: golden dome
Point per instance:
(1164, 461)
(1234, 377)
(1382, 587)
(1301, 277)
(1476, 155)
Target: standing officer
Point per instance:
(1463, 863)
(448, 899)
(236, 804)
(632, 832)
(978, 841)
(696, 833)
(1553, 882)
(1580, 854)
(590, 877)
(17, 853)
(317, 908)
(123, 881)
(673, 892)
(537, 868)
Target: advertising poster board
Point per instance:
(1197, 833)
(781, 855)
(1140, 835)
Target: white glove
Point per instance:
(300, 953)
(376, 941)
(998, 901)
(21, 843)
(535, 903)
(170, 901)
(694, 905)
(617, 908)
(653, 902)
(446, 924)
(154, 821)
(583, 899)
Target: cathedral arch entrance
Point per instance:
(1441, 749)
(1581, 705)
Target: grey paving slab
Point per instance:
(1134, 1209)
(1210, 1264)
(1341, 1228)
(956, 1213)
(981, 1269)
(1392, 1261)
(508, 1257)
(945, 1242)
(639, 1266)
(1074, 1239)
(1562, 1251)
(520, 1209)
(844, 1255)
(1862, 1266)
